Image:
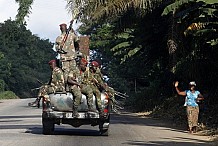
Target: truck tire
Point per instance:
(48, 126)
(104, 129)
(104, 132)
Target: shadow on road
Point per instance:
(134, 119)
(76, 132)
(63, 131)
(20, 117)
(163, 143)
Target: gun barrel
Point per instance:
(40, 81)
(35, 89)
(121, 95)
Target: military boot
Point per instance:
(34, 104)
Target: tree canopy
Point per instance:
(23, 58)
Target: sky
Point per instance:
(45, 17)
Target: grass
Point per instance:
(8, 95)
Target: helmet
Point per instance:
(52, 61)
(94, 64)
(192, 83)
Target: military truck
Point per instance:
(59, 110)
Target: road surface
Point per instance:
(20, 125)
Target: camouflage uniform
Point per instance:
(84, 80)
(56, 84)
(97, 86)
(98, 72)
(74, 89)
(67, 59)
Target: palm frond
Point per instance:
(117, 7)
(208, 1)
(23, 10)
(97, 9)
(213, 42)
(174, 6)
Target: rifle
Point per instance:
(35, 89)
(122, 95)
(110, 90)
(40, 81)
(61, 51)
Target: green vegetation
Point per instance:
(145, 46)
(23, 59)
(7, 95)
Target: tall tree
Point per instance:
(23, 10)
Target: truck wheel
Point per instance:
(104, 128)
(48, 126)
(104, 132)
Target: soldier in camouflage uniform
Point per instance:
(67, 49)
(97, 83)
(84, 83)
(56, 83)
(74, 86)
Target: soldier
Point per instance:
(65, 45)
(84, 83)
(75, 89)
(97, 83)
(56, 83)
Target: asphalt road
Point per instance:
(20, 125)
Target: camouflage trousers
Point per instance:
(97, 94)
(76, 94)
(87, 91)
(67, 66)
(45, 90)
(192, 115)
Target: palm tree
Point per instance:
(96, 9)
(196, 19)
(23, 10)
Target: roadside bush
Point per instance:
(2, 85)
(145, 100)
(8, 95)
(171, 109)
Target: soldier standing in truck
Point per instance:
(65, 45)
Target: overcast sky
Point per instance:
(45, 17)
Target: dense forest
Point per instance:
(144, 46)
(24, 58)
